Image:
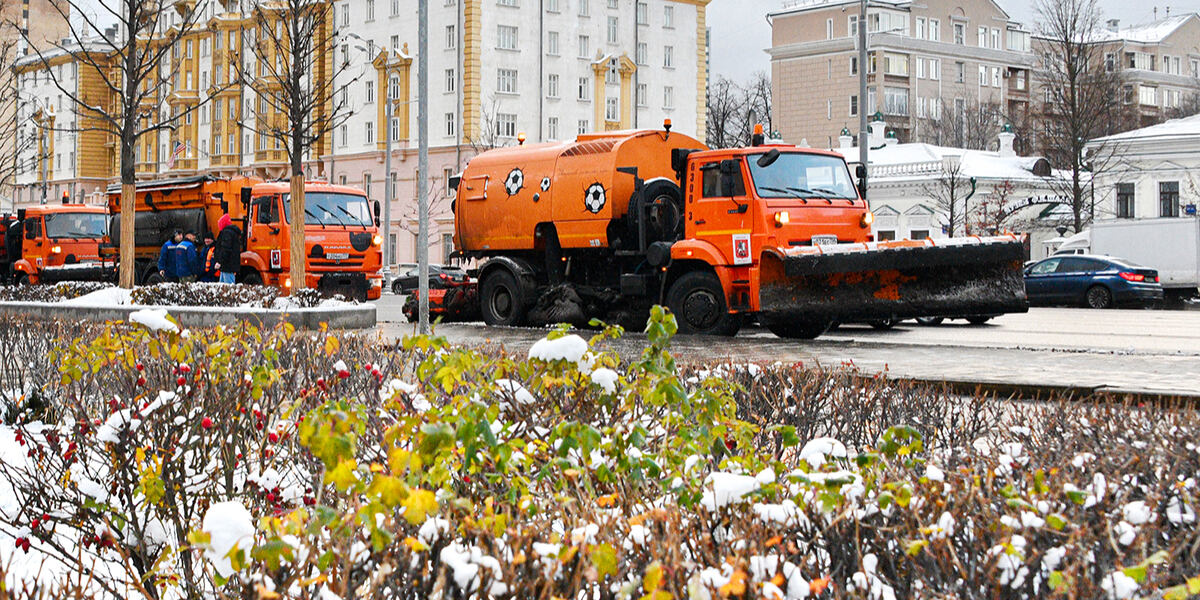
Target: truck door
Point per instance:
(266, 231)
(32, 247)
(717, 215)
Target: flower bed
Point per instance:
(248, 464)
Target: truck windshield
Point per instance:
(800, 175)
(76, 225)
(329, 208)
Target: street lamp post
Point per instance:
(862, 85)
(387, 177)
(423, 162)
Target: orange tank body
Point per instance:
(505, 193)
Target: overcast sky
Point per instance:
(740, 32)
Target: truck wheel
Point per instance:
(795, 329)
(884, 324)
(503, 300)
(978, 319)
(698, 302)
(929, 321)
(23, 279)
(1098, 296)
(252, 278)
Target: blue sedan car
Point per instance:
(1093, 281)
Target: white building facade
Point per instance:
(1151, 172)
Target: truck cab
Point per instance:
(342, 243)
(52, 243)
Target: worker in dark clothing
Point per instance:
(227, 254)
(177, 259)
(208, 273)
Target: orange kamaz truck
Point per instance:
(50, 243)
(342, 243)
(610, 223)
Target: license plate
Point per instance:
(824, 240)
(337, 256)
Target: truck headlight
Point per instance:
(867, 218)
(377, 240)
(782, 218)
(56, 249)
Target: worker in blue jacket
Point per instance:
(177, 260)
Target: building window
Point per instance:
(643, 17)
(935, 30)
(611, 111)
(507, 37)
(885, 235)
(506, 125)
(1124, 200)
(552, 128)
(552, 6)
(983, 76)
(613, 30)
(829, 29)
(451, 80)
(920, 28)
(370, 132)
(960, 72)
(506, 81)
(343, 136)
(641, 94)
(895, 64)
(640, 55)
(668, 57)
(370, 94)
(451, 37)
(583, 8)
(668, 97)
(995, 76)
(584, 46)
(1168, 198)
(853, 106)
(960, 34)
(1147, 95)
(552, 43)
(394, 129)
(450, 123)
(610, 74)
(585, 88)
(668, 16)
(983, 35)
(583, 126)
(935, 68)
(895, 101)
(370, 10)
(552, 85)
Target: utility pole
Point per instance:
(862, 84)
(43, 155)
(423, 162)
(387, 174)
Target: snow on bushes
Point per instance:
(317, 466)
(171, 294)
(50, 293)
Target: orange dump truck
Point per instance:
(611, 223)
(342, 244)
(50, 243)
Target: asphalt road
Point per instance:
(1108, 350)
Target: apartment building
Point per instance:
(547, 69)
(43, 25)
(928, 62)
(1159, 63)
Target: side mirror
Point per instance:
(860, 171)
(375, 207)
(246, 198)
(769, 158)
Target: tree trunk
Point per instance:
(127, 273)
(297, 254)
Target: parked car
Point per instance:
(439, 277)
(1094, 281)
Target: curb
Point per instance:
(1042, 392)
(349, 317)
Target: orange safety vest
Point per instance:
(208, 259)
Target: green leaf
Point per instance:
(604, 557)
(1137, 573)
(1057, 521)
(914, 547)
(1057, 580)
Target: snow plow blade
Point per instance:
(900, 279)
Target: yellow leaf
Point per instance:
(519, 559)
(606, 501)
(415, 545)
(774, 541)
(265, 594)
(736, 585)
(419, 504)
(331, 345)
(565, 556)
(653, 577)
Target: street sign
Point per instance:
(1189, 210)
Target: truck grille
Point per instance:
(352, 261)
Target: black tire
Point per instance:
(23, 279)
(502, 301)
(397, 289)
(665, 217)
(930, 321)
(884, 324)
(153, 278)
(793, 329)
(978, 319)
(698, 303)
(252, 278)
(1098, 296)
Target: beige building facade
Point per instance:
(927, 63)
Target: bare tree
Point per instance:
(950, 193)
(1188, 106)
(298, 104)
(136, 76)
(962, 123)
(734, 110)
(1083, 96)
(489, 130)
(13, 145)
